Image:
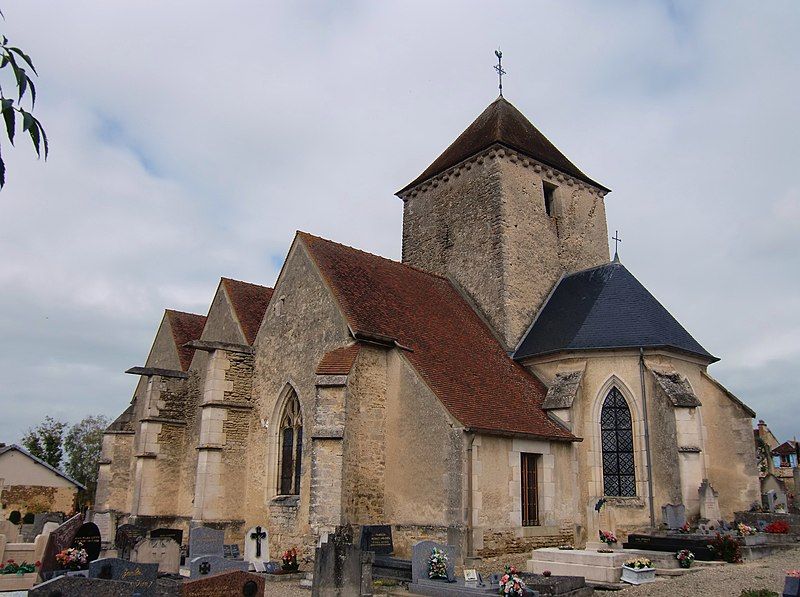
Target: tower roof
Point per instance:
(605, 307)
(501, 123)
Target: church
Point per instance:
(487, 391)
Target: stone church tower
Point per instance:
(504, 214)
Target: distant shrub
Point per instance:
(727, 548)
(779, 526)
(758, 593)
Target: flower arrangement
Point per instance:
(12, 567)
(745, 530)
(685, 528)
(511, 584)
(608, 538)
(726, 548)
(639, 563)
(72, 558)
(778, 527)
(289, 559)
(685, 558)
(546, 573)
(437, 564)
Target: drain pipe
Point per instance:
(470, 542)
(648, 461)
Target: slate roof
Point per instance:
(249, 302)
(441, 336)
(605, 307)
(185, 328)
(502, 123)
(338, 361)
(21, 450)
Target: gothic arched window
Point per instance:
(616, 431)
(291, 446)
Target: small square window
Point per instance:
(549, 191)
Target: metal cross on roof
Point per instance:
(616, 240)
(499, 68)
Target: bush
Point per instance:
(727, 548)
(15, 517)
(758, 593)
(779, 526)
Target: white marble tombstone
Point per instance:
(256, 545)
(709, 502)
(163, 551)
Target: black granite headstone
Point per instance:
(88, 538)
(80, 586)
(141, 576)
(127, 537)
(377, 538)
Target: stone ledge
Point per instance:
(107, 432)
(324, 381)
(689, 449)
(328, 433)
(164, 421)
(147, 455)
(104, 461)
(209, 346)
(151, 371)
(226, 404)
(216, 447)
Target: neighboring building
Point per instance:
(487, 391)
(29, 484)
(778, 459)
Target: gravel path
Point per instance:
(723, 581)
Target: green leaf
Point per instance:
(2, 173)
(22, 81)
(7, 107)
(30, 124)
(44, 137)
(25, 57)
(33, 92)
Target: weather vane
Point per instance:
(616, 240)
(499, 68)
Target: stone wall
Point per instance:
(38, 498)
(114, 478)
(485, 226)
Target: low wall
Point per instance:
(751, 518)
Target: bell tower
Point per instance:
(504, 214)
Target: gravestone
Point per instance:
(674, 516)
(420, 560)
(40, 519)
(141, 576)
(256, 545)
(377, 538)
(205, 541)
(213, 565)
(341, 568)
(709, 502)
(771, 498)
(126, 537)
(10, 530)
(174, 534)
(162, 551)
(80, 586)
(59, 539)
(230, 584)
(103, 522)
(88, 537)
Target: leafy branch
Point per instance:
(19, 64)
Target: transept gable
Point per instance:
(222, 324)
(249, 302)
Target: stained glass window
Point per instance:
(291, 448)
(616, 432)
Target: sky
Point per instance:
(189, 140)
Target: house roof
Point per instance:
(785, 449)
(501, 123)
(250, 302)
(605, 307)
(443, 339)
(338, 361)
(185, 328)
(21, 450)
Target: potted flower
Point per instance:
(609, 539)
(289, 559)
(685, 558)
(511, 584)
(637, 571)
(437, 565)
(745, 530)
(17, 577)
(792, 583)
(72, 559)
(686, 528)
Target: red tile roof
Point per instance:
(785, 449)
(338, 361)
(449, 346)
(185, 328)
(250, 303)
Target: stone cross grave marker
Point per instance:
(231, 584)
(709, 502)
(256, 545)
(81, 586)
(162, 551)
(126, 537)
(420, 559)
(205, 541)
(674, 516)
(377, 538)
(59, 539)
(88, 537)
(141, 576)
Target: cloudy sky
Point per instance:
(190, 139)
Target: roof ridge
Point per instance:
(178, 312)
(363, 252)
(245, 282)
